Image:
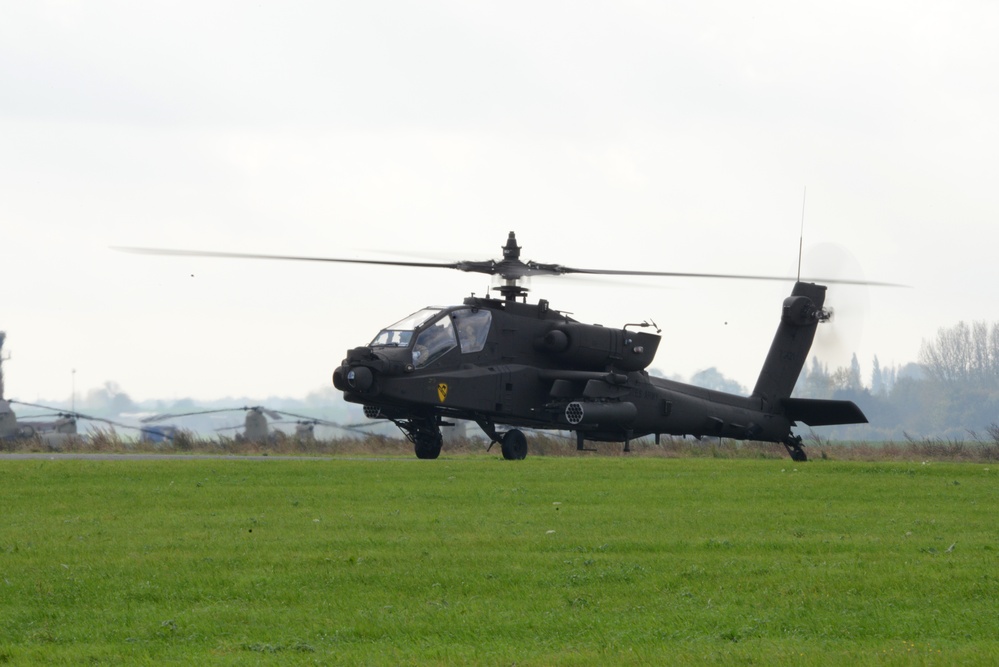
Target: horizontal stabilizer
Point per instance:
(821, 412)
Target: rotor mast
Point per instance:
(511, 269)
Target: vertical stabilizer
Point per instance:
(800, 315)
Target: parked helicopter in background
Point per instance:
(504, 362)
(55, 433)
(257, 428)
(52, 433)
(305, 427)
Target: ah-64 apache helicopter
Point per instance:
(508, 363)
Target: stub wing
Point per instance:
(822, 412)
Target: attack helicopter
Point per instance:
(509, 365)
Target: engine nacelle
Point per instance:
(595, 348)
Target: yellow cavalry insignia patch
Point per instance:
(442, 391)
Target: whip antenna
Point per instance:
(801, 233)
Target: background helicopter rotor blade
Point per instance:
(40, 416)
(79, 415)
(306, 418)
(163, 417)
(35, 405)
(273, 414)
(285, 413)
(246, 408)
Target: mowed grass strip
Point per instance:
(474, 560)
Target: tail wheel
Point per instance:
(514, 445)
(793, 446)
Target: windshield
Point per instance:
(400, 333)
(434, 342)
(473, 328)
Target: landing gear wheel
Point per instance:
(428, 446)
(423, 432)
(514, 445)
(793, 445)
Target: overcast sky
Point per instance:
(619, 135)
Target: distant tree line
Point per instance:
(953, 392)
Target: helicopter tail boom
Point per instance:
(800, 316)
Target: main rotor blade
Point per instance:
(293, 258)
(724, 276)
(507, 269)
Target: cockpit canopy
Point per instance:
(401, 333)
(433, 332)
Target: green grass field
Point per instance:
(476, 560)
